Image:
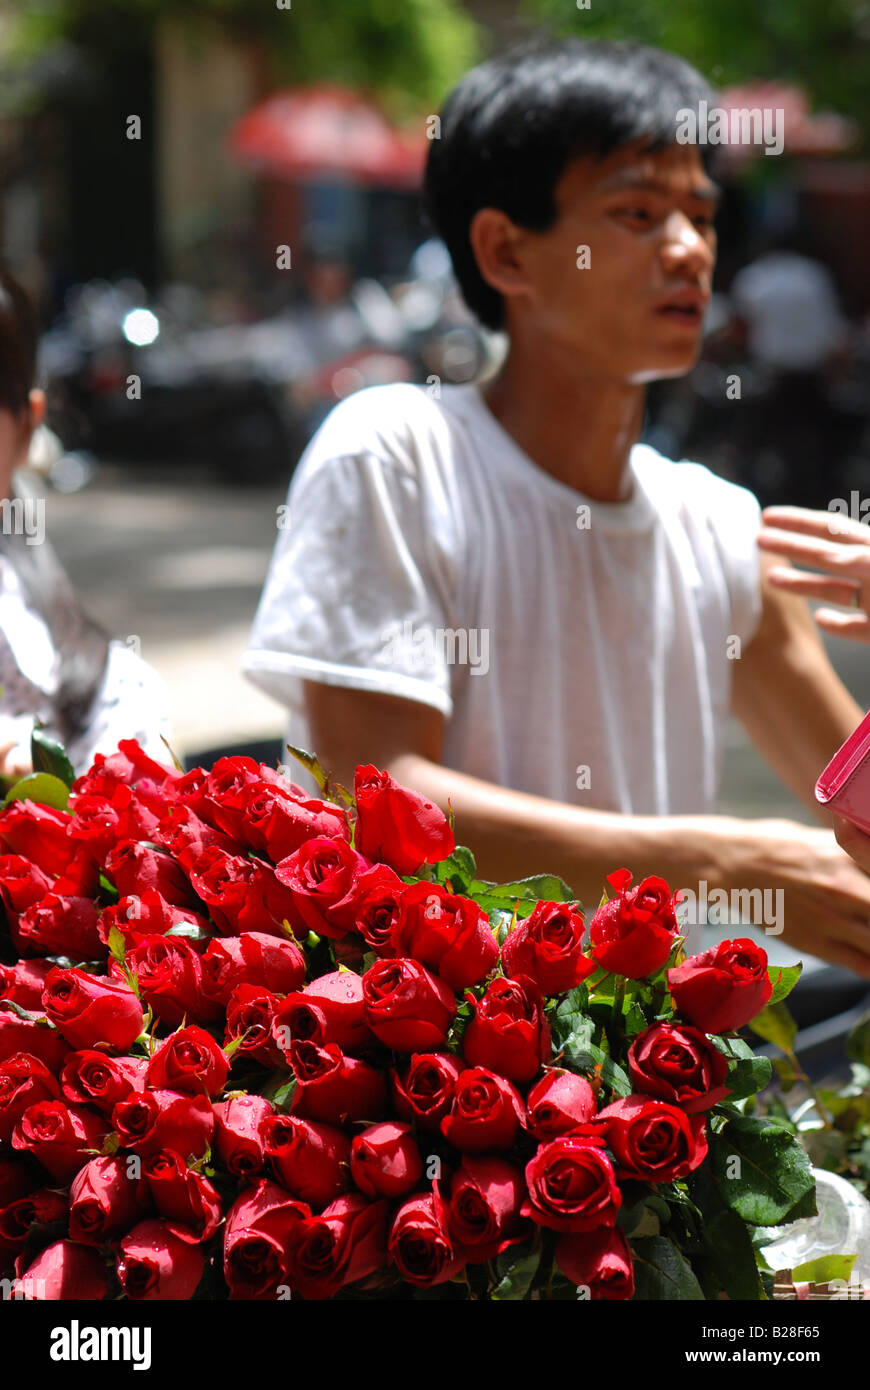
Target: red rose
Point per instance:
(311, 1160)
(420, 1244)
(96, 827)
(250, 1014)
(330, 1009)
(154, 783)
(278, 824)
(103, 1201)
(21, 885)
(599, 1260)
(346, 1243)
(92, 1078)
(449, 933)
(138, 919)
(262, 1225)
(223, 881)
(134, 868)
(396, 825)
(80, 878)
(320, 874)
(373, 908)
(59, 1135)
(88, 1009)
(37, 833)
(335, 1088)
(169, 973)
(186, 1200)
(155, 1264)
(406, 1008)
(24, 982)
(269, 906)
(34, 1036)
(486, 1114)
(485, 1199)
(425, 1093)
(679, 1065)
(150, 1120)
(18, 1219)
(385, 1161)
(548, 948)
(224, 791)
(57, 926)
(238, 1133)
(572, 1186)
(24, 1080)
(253, 958)
(508, 1032)
(723, 988)
(652, 1141)
(558, 1103)
(189, 1061)
(183, 835)
(634, 932)
(65, 1272)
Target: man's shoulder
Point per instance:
(691, 487)
(398, 424)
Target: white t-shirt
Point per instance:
(580, 650)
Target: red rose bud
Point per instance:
(186, 837)
(485, 1199)
(396, 825)
(262, 1225)
(150, 1120)
(250, 1014)
(330, 1009)
(223, 881)
(186, 1200)
(634, 932)
(138, 919)
(558, 1103)
(154, 783)
(24, 982)
(59, 1135)
(135, 869)
(88, 1009)
(508, 1033)
(311, 1160)
(34, 1036)
(269, 906)
(723, 988)
(65, 1272)
(334, 1088)
(572, 1186)
(680, 1065)
(224, 792)
(449, 933)
(58, 926)
(103, 1201)
(21, 885)
(652, 1141)
(319, 875)
(169, 974)
(346, 1243)
(189, 1061)
(420, 1244)
(385, 1161)
(80, 878)
(95, 826)
(238, 1133)
(406, 1008)
(44, 1207)
(37, 833)
(278, 824)
(599, 1261)
(486, 1115)
(373, 908)
(252, 959)
(548, 948)
(92, 1078)
(425, 1094)
(153, 1263)
(24, 1080)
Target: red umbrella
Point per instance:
(314, 132)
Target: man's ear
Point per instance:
(498, 246)
(36, 401)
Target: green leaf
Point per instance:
(823, 1269)
(858, 1041)
(232, 1047)
(747, 1073)
(662, 1272)
(48, 756)
(783, 978)
(459, 867)
(516, 1268)
(41, 787)
(776, 1025)
(786, 1073)
(547, 888)
(762, 1171)
(639, 1220)
(729, 1255)
(310, 762)
(117, 945)
(284, 1094)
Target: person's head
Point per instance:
(22, 405)
(562, 146)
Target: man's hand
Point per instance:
(12, 768)
(834, 544)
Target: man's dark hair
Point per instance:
(18, 344)
(513, 124)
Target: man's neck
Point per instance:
(579, 429)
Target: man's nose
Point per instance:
(685, 244)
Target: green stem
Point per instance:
(619, 999)
(799, 1072)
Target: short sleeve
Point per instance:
(359, 584)
(734, 517)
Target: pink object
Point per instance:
(844, 786)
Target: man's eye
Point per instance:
(640, 213)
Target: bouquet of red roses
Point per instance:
(259, 1045)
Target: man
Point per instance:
(504, 599)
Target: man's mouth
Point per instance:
(686, 307)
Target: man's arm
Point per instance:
(788, 696)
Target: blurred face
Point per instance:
(636, 310)
(16, 432)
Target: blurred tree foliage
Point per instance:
(822, 45)
(409, 51)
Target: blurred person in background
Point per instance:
(57, 667)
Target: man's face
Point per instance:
(636, 312)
